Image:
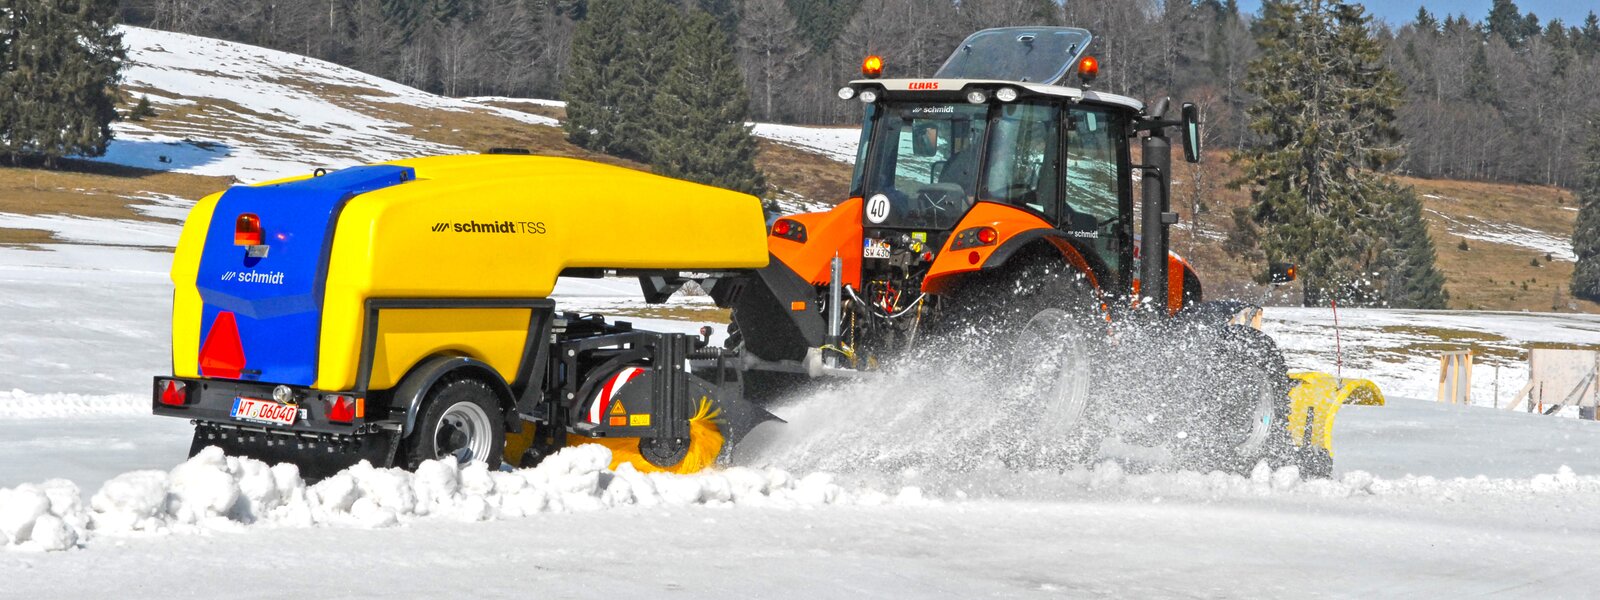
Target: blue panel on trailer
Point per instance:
(277, 299)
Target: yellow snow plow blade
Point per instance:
(1315, 400)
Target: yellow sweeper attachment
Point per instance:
(1316, 397)
(705, 444)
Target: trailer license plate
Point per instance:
(875, 249)
(264, 411)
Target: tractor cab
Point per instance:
(994, 161)
(996, 125)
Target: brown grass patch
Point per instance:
(817, 177)
(89, 189)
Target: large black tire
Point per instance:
(1000, 303)
(1037, 323)
(1250, 421)
(459, 418)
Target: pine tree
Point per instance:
(1586, 234)
(1326, 120)
(59, 78)
(649, 30)
(1407, 258)
(1480, 79)
(142, 110)
(593, 91)
(701, 110)
(1506, 21)
(1425, 21)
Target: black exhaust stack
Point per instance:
(1156, 200)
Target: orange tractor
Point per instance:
(992, 213)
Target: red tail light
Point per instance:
(344, 409)
(175, 393)
(974, 237)
(247, 230)
(789, 229)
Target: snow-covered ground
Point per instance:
(837, 143)
(1399, 349)
(252, 113)
(1428, 500)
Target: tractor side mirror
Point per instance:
(1279, 273)
(1191, 132)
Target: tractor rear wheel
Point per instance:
(1037, 324)
(1055, 356)
(460, 420)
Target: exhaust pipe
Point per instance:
(1156, 218)
(835, 276)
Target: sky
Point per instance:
(1396, 12)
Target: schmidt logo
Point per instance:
(273, 278)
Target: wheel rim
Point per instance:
(463, 434)
(1068, 394)
(1260, 421)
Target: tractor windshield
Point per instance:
(922, 164)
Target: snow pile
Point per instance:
(214, 491)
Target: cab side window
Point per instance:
(1093, 187)
(1024, 158)
(1093, 184)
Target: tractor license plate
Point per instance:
(875, 249)
(264, 411)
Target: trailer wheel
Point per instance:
(460, 420)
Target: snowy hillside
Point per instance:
(248, 112)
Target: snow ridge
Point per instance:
(216, 492)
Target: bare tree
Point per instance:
(768, 48)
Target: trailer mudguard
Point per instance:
(414, 388)
(780, 306)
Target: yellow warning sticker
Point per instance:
(617, 408)
(639, 420)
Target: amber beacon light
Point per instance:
(872, 66)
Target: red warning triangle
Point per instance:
(222, 355)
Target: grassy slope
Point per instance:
(1488, 276)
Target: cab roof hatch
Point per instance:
(1023, 54)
